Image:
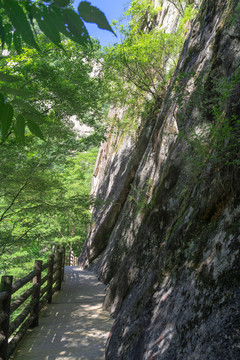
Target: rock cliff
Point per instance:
(166, 233)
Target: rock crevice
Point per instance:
(168, 242)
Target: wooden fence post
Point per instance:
(36, 295)
(69, 258)
(6, 285)
(59, 265)
(63, 262)
(50, 277)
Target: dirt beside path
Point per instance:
(74, 326)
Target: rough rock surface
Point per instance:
(166, 239)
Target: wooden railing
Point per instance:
(70, 259)
(36, 296)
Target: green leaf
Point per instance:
(61, 22)
(2, 33)
(6, 119)
(36, 117)
(29, 10)
(20, 22)
(8, 34)
(20, 127)
(61, 3)
(29, 111)
(15, 92)
(25, 106)
(35, 129)
(76, 26)
(92, 14)
(8, 78)
(17, 42)
(56, 16)
(47, 25)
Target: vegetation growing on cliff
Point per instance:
(42, 88)
(215, 140)
(139, 69)
(181, 256)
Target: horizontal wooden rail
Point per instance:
(20, 283)
(43, 290)
(21, 299)
(32, 299)
(70, 259)
(19, 334)
(19, 319)
(43, 280)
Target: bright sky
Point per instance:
(113, 9)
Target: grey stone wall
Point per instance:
(168, 242)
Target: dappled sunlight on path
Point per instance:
(74, 326)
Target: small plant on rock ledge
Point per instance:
(217, 139)
(141, 195)
(138, 70)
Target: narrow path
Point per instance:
(74, 326)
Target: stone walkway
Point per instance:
(74, 326)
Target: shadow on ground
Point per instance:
(74, 326)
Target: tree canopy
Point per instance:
(139, 68)
(21, 23)
(46, 165)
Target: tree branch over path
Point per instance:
(4, 214)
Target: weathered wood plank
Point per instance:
(18, 337)
(15, 305)
(20, 318)
(36, 294)
(6, 285)
(20, 283)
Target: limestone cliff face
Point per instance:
(166, 237)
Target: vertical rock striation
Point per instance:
(166, 238)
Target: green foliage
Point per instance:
(45, 185)
(141, 15)
(216, 141)
(20, 21)
(140, 196)
(54, 18)
(139, 68)
(50, 81)
(92, 14)
(225, 128)
(20, 261)
(44, 200)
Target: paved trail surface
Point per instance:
(74, 326)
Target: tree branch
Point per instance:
(4, 214)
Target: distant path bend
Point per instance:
(74, 326)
